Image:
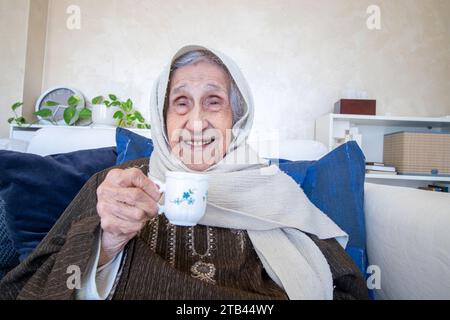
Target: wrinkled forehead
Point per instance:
(197, 71)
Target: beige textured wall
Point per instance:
(299, 56)
(13, 37)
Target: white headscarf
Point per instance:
(255, 197)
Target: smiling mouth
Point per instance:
(199, 142)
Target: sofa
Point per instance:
(408, 239)
(406, 230)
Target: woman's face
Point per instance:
(199, 116)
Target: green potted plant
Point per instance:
(46, 114)
(113, 111)
(17, 119)
(72, 113)
(103, 110)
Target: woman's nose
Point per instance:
(196, 122)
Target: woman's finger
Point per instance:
(132, 196)
(130, 213)
(136, 178)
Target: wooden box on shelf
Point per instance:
(418, 152)
(356, 106)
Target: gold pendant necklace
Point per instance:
(200, 269)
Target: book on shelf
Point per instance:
(442, 184)
(374, 164)
(436, 188)
(380, 168)
(381, 172)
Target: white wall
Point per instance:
(13, 38)
(299, 56)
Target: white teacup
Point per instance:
(185, 196)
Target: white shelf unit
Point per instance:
(27, 132)
(407, 177)
(330, 130)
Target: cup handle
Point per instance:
(161, 186)
(162, 189)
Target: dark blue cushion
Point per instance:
(131, 146)
(334, 183)
(36, 190)
(9, 257)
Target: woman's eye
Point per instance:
(181, 103)
(214, 102)
(180, 106)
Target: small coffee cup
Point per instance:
(185, 197)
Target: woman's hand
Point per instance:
(126, 200)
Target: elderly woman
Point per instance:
(260, 237)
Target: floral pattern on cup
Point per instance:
(187, 197)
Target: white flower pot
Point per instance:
(101, 115)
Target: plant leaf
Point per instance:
(97, 100)
(21, 120)
(51, 103)
(112, 97)
(44, 113)
(115, 103)
(73, 101)
(16, 105)
(85, 113)
(120, 123)
(139, 117)
(69, 114)
(148, 126)
(118, 115)
(106, 103)
(131, 117)
(127, 106)
(10, 120)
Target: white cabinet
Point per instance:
(24, 132)
(48, 139)
(27, 132)
(331, 130)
